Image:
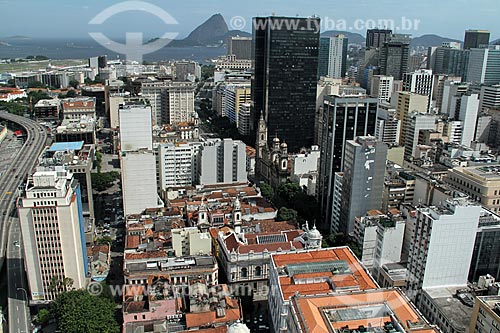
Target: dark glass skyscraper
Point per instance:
(393, 58)
(285, 52)
(475, 39)
(376, 37)
(344, 118)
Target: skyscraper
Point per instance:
(394, 53)
(284, 83)
(376, 37)
(333, 56)
(137, 159)
(484, 66)
(241, 47)
(363, 181)
(50, 212)
(475, 39)
(344, 118)
(448, 60)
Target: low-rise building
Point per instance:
(485, 315)
(333, 271)
(47, 109)
(76, 108)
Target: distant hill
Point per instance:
(426, 41)
(495, 42)
(354, 38)
(18, 37)
(212, 28)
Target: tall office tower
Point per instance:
(337, 203)
(393, 58)
(409, 102)
(285, 77)
(363, 181)
(52, 225)
(484, 66)
(222, 162)
(344, 118)
(476, 39)
(171, 102)
(440, 82)
(465, 108)
(449, 60)
(376, 38)
(326, 87)
(333, 56)
(240, 47)
(137, 159)
(490, 97)
(235, 95)
(443, 243)
(486, 256)
(102, 61)
(388, 125)
(414, 123)
(382, 87)
(419, 82)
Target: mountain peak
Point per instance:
(214, 27)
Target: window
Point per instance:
(258, 271)
(244, 272)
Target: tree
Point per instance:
(78, 311)
(266, 190)
(73, 83)
(106, 240)
(71, 93)
(286, 214)
(103, 181)
(43, 316)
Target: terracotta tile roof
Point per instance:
(133, 241)
(146, 255)
(194, 320)
(96, 249)
(358, 279)
(134, 290)
(312, 320)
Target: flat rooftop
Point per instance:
(453, 308)
(63, 146)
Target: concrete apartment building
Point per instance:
(363, 180)
(408, 102)
(419, 82)
(444, 240)
(52, 225)
(382, 87)
(388, 125)
(47, 109)
(171, 102)
(480, 183)
(222, 162)
(177, 164)
(235, 95)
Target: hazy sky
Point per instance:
(69, 18)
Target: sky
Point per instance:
(69, 18)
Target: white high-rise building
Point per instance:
(333, 55)
(466, 109)
(415, 123)
(382, 87)
(443, 244)
(177, 165)
(419, 82)
(52, 225)
(222, 162)
(235, 95)
(139, 182)
(135, 127)
(137, 159)
(388, 125)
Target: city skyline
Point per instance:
(190, 14)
